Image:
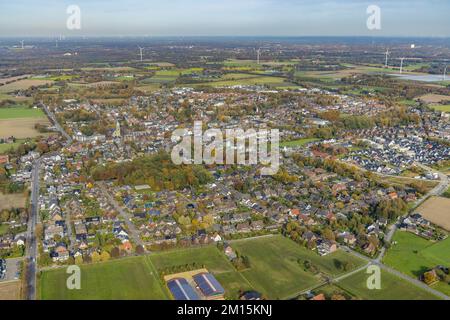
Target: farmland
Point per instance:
(126, 279)
(20, 128)
(20, 122)
(436, 210)
(276, 270)
(20, 112)
(10, 290)
(277, 265)
(8, 201)
(392, 288)
(413, 255)
(23, 85)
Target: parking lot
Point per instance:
(12, 269)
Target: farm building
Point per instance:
(182, 290)
(208, 285)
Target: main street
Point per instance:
(31, 234)
(32, 245)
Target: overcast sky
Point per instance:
(225, 17)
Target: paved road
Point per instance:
(55, 122)
(32, 245)
(31, 234)
(125, 216)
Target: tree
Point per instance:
(115, 252)
(95, 257)
(140, 249)
(78, 260)
(104, 256)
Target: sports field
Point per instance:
(277, 265)
(126, 279)
(392, 288)
(414, 255)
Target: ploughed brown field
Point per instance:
(8, 201)
(10, 290)
(20, 128)
(434, 98)
(436, 210)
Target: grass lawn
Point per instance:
(414, 255)
(209, 257)
(3, 229)
(275, 270)
(392, 288)
(439, 107)
(297, 143)
(20, 112)
(124, 279)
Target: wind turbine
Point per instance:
(258, 55)
(140, 52)
(386, 61)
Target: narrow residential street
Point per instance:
(125, 216)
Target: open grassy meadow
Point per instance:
(414, 255)
(277, 265)
(20, 113)
(297, 143)
(124, 279)
(392, 288)
(443, 108)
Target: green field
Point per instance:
(297, 143)
(125, 279)
(209, 257)
(275, 269)
(413, 255)
(20, 112)
(7, 146)
(241, 80)
(3, 229)
(444, 108)
(392, 288)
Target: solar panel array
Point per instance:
(208, 284)
(181, 290)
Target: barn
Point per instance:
(208, 285)
(181, 289)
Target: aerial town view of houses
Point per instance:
(88, 177)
